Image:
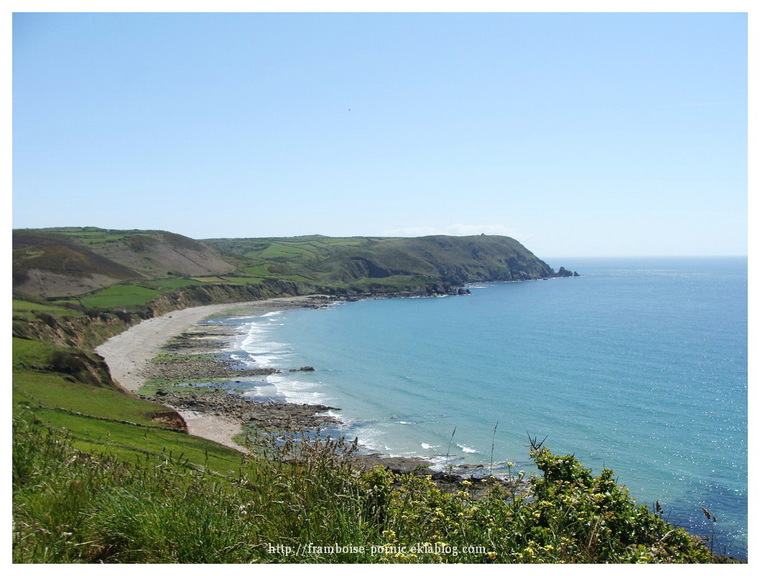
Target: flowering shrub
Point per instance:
(593, 519)
(307, 502)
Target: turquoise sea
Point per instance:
(638, 365)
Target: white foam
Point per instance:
(272, 314)
(342, 420)
(298, 391)
(245, 360)
(370, 440)
(440, 463)
(467, 449)
(263, 352)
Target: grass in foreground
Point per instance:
(304, 501)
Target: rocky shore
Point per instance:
(195, 379)
(193, 356)
(236, 410)
(194, 367)
(268, 416)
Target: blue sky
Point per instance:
(581, 134)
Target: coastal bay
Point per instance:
(401, 372)
(129, 355)
(404, 392)
(216, 414)
(583, 362)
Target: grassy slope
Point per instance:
(98, 477)
(80, 262)
(399, 262)
(76, 507)
(53, 391)
(99, 268)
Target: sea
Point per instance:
(636, 365)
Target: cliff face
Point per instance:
(84, 332)
(428, 260)
(479, 258)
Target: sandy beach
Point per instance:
(128, 354)
(218, 416)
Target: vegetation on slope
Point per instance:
(307, 502)
(98, 268)
(102, 476)
(68, 388)
(410, 261)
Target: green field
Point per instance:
(124, 295)
(27, 310)
(91, 235)
(171, 284)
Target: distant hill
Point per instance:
(58, 262)
(90, 263)
(448, 259)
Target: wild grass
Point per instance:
(302, 499)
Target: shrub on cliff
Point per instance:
(306, 502)
(594, 519)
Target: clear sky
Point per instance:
(578, 134)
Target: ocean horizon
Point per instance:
(638, 365)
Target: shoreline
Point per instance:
(211, 412)
(216, 415)
(129, 355)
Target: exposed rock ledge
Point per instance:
(265, 415)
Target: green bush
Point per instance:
(305, 500)
(593, 519)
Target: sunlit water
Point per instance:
(638, 365)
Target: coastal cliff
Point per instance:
(96, 468)
(76, 287)
(95, 268)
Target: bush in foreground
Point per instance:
(307, 501)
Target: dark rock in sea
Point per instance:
(564, 273)
(447, 477)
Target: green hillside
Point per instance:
(65, 262)
(97, 268)
(437, 259)
(102, 475)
